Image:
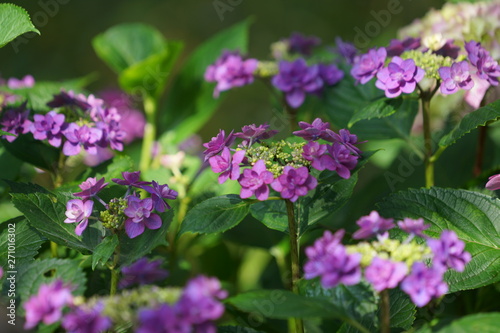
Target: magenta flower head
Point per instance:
(165, 316)
(296, 79)
(83, 319)
(131, 179)
(47, 305)
(69, 99)
(230, 71)
(312, 151)
(328, 259)
(253, 133)
(81, 136)
(397, 47)
(140, 216)
(347, 50)
(385, 274)
(330, 74)
(414, 227)
(27, 81)
(217, 144)
(449, 251)
(314, 131)
(228, 166)
(487, 68)
(345, 138)
(400, 76)
(493, 183)
(142, 272)
(255, 181)
(372, 225)
(15, 121)
(49, 127)
(90, 188)
(338, 159)
(455, 77)
(294, 183)
(448, 50)
(79, 211)
(158, 193)
(424, 283)
(301, 44)
(367, 65)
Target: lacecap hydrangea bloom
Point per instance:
(284, 166)
(387, 263)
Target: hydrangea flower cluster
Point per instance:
(289, 72)
(286, 166)
(142, 272)
(129, 212)
(386, 263)
(192, 309)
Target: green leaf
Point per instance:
(25, 241)
(111, 169)
(104, 250)
(480, 322)
(402, 309)
(15, 21)
(473, 216)
(133, 249)
(6, 133)
(47, 270)
(190, 103)
(381, 108)
(45, 212)
(32, 151)
(471, 121)
(216, 214)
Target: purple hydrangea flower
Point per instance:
(140, 216)
(253, 133)
(455, 77)
(314, 131)
(217, 144)
(47, 305)
(397, 47)
(49, 127)
(448, 50)
(414, 227)
(78, 136)
(255, 181)
(164, 319)
(338, 159)
(142, 272)
(90, 188)
(385, 274)
(158, 193)
(400, 76)
(230, 71)
(131, 179)
(423, 284)
(296, 79)
(345, 138)
(301, 44)
(328, 259)
(346, 50)
(372, 225)
(112, 135)
(294, 183)
(312, 151)
(27, 81)
(15, 121)
(493, 183)
(228, 166)
(487, 68)
(367, 65)
(449, 251)
(68, 99)
(86, 320)
(330, 74)
(79, 211)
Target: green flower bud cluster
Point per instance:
(113, 217)
(266, 69)
(392, 249)
(428, 61)
(277, 155)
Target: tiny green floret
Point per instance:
(428, 61)
(113, 217)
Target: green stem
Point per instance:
(150, 106)
(293, 230)
(53, 249)
(115, 272)
(385, 312)
(428, 160)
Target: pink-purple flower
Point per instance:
(81, 136)
(49, 127)
(217, 144)
(228, 166)
(413, 227)
(131, 179)
(301, 44)
(83, 319)
(294, 183)
(256, 181)
(455, 77)
(79, 211)
(424, 283)
(90, 187)
(158, 193)
(449, 251)
(338, 158)
(493, 183)
(487, 68)
(397, 47)
(140, 216)
(142, 272)
(314, 131)
(400, 76)
(367, 65)
(385, 274)
(15, 121)
(252, 133)
(372, 225)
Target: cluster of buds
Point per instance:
(284, 165)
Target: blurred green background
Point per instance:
(67, 27)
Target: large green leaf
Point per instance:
(32, 151)
(45, 212)
(381, 108)
(190, 103)
(14, 21)
(480, 322)
(473, 216)
(473, 120)
(104, 250)
(216, 214)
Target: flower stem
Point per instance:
(293, 230)
(385, 312)
(115, 272)
(428, 160)
(53, 249)
(150, 106)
